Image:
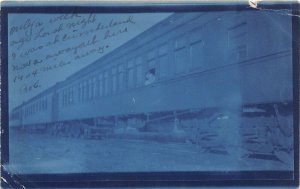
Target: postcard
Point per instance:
(149, 95)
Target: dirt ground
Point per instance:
(37, 153)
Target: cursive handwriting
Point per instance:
(40, 45)
(110, 34)
(28, 25)
(54, 66)
(28, 87)
(74, 49)
(27, 64)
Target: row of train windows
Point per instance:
(159, 64)
(134, 74)
(38, 106)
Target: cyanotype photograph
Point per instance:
(160, 91)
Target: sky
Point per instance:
(44, 49)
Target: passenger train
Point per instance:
(193, 77)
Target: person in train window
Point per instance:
(150, 77)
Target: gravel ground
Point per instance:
(36, 153)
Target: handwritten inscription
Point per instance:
(46, 44)
(28, 26)
(30, 87)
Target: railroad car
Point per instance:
(195, 77)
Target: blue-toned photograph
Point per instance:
(150, 92)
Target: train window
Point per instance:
(151, 63)
(82, 92)
(180, 43)
(73, 94)
(87, 96)
(237, 42)
(163, 50)
(151, 59)
(46, 103)
(90, 89)
(195, 35)
(139, 71)
(43, 104)
(121, 77)
(106, 83)
(39, 105)
(100, 87)
(140, 74)
(79, 92)
(71, 97)
(196, 54)
(95, 86)
(163, 66)
(130, 68)
(150, 76)
(114, 79)
(163, 61)
(181, 60)
(85, 91)
(151, 55)
(151, 67)
(67, 97)
(196, 48)
(63, 98)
